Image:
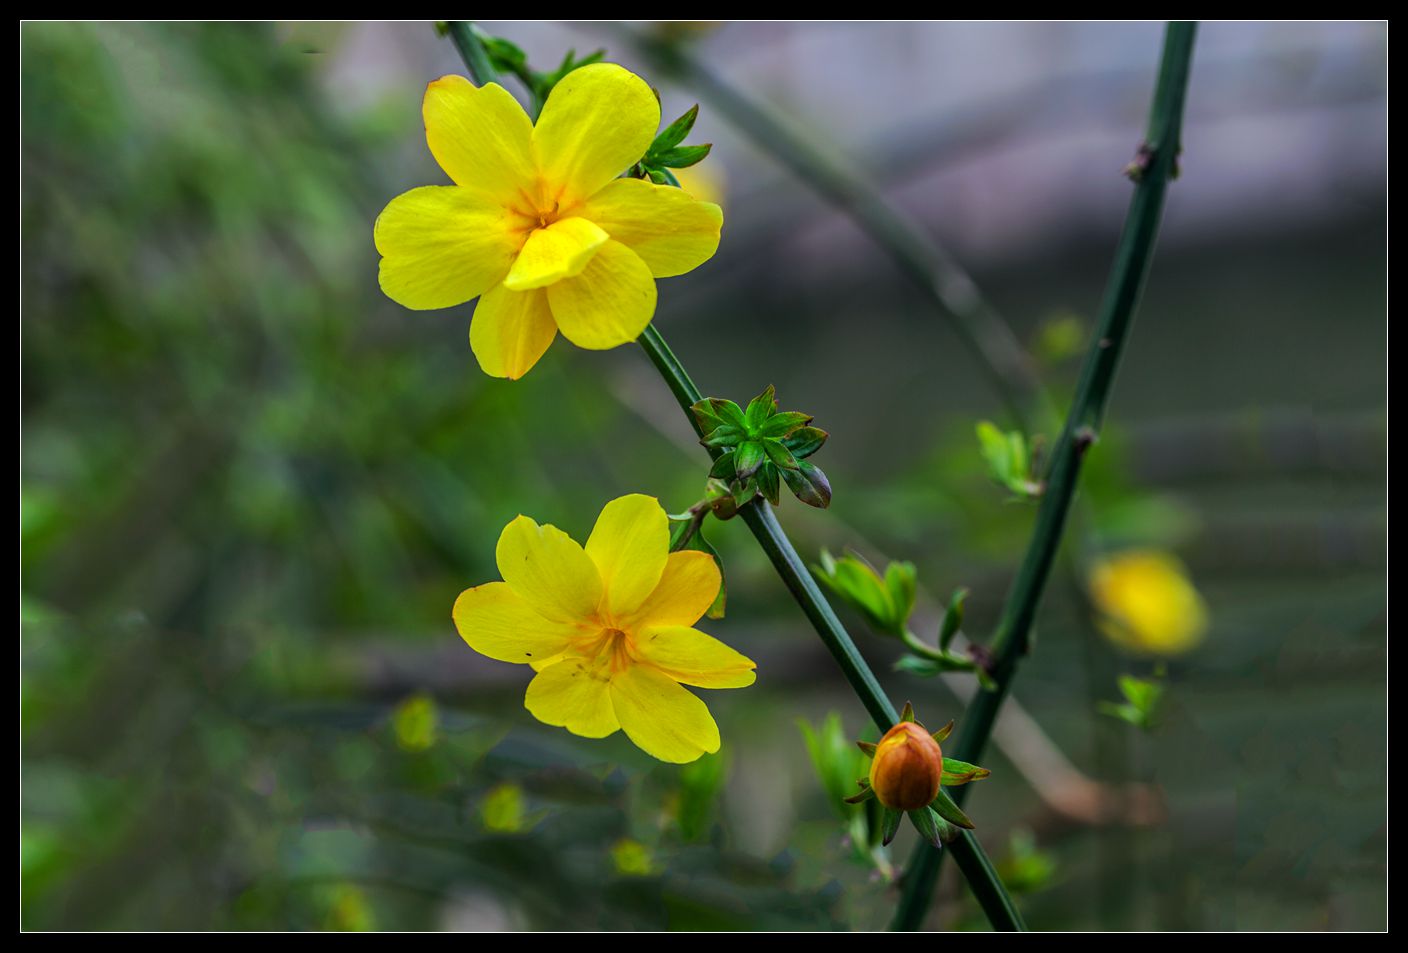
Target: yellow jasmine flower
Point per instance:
(1148, 603)
(537, 225)
(608, 629)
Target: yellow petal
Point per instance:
(550, 254)
(597, 122)
(549, 571)
(671, 231)
(685, 592)
(510, 331)
(441, 246)
(573, 694)
(690, 656)
(629, 544)
(609, 303)
(481, 137)
(663, 719)
(497, 622)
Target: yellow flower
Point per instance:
(1148, 603)
(537, 225)
(608, 629)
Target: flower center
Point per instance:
(612, 645)
(534, 211)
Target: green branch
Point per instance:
(1152, 170)
(759, 517)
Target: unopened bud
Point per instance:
(907, 768)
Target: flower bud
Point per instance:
(907, 768)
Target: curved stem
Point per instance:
(472, 51)
(1155, 166)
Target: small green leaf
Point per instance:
(675, 133)
(724, 435)
(660, 177)
(961, 772)
(891, 825)
(779, 454)
(943, 806)
(704, 413)
(780, 425)
(760, 408)
(953, 618)
(682, 157)
(729, 412)
(900, 581)
(769, 483)
(749, 457)
(927, 824)
(805, 441)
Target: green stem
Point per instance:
(759, 517)
(472, 51)
(1158, 159)
(939, 277)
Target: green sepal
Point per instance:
(908, 713)
(865, 793)
(891, 825)
(805, 441)
(961, 772)
(770, 483)
(673, 134)
(943, 805)
(868, 747)
(779, 454)
(780, 425)
(809, 484)
(926, 822)
(723, 468)
(724, 436)
(682, 157)
(760, 408)
(728, 412)
(942, 734)
(749, 457)
(953, 619)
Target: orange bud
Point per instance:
(907, 767)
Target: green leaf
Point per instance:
(675, 133)
(749, 457)
(704, 413)
(961, 772)
(900, 581)
(780, 425)
(891, 825)
(728, 412)
(858, 585)
(769, 483)
(723, 468)
(760, 408)
(682, 157)
(927, 824)
(804, 441)
(996, 450)
(724, 435)
(953, 618)
(943, 806)
(779, 454)
(809, 484)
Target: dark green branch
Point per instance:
(1152, 170)
(472, 51)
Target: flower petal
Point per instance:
(497, 622)
(510, 331)
(609, 303)
(629, 545)
(663, 719)
(669, 229)
(441, 246)
(694, 658)
(685, 592)
(550, 254)
(481, 137)
(597, 122)
(573, 694)
(549, 571)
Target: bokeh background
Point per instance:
(251, 486)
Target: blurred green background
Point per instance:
(251, 487)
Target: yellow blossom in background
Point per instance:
(1147, 602)
(608, 629)
(705, 182)
(537, 225)
(631, 858)
(415, 723)
(503, 810)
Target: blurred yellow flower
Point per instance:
(537, 225)
(608, 629)
(1147, 602)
